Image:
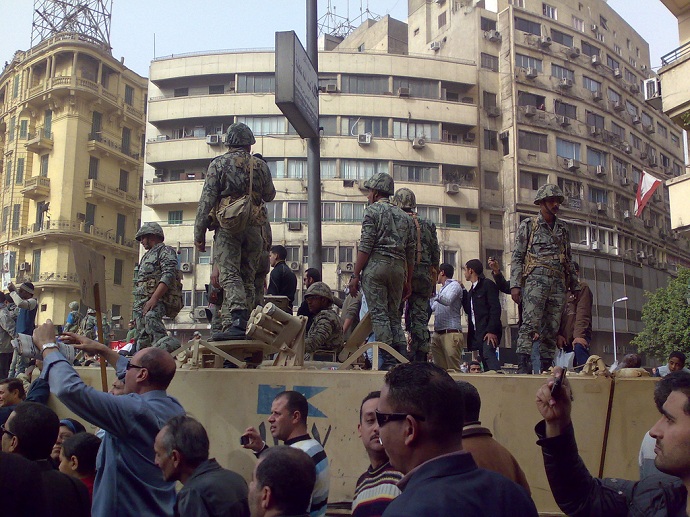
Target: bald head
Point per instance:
(160, 365)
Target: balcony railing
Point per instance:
(676, 54)
(57, 277)
(97, 186)
(73, 227)
(97, 137)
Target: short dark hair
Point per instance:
(290, 474)
(295, 401)
(677, 354)
(426, 390)
(280, 251)
(160, 374)
(187, 436)
(85, 447)
(674, 381)
(314, 274)
(473, 402)
(36, 427)
(631, 361)
(475, 363)
(447, 269)
(371, 395)
(475, 265)
(14, 384)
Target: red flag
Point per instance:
(647, 187)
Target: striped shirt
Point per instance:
(319, 497)
(376, 488)
(447, 306)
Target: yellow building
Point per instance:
(473, 107)
(71, 138)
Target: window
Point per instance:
(595, 157)
(611, 63)
(15, 217)
(527, 26)
(549, 11)
(589, 50)
(578, 24)
(353, 126)
(187, 298)
(200, 298)
(646, 119)
(275, 211)
(620, 168)
(329, 126)
(562, 38)
(523, 61)
(665, 161)
(93, 168)
(117, 271)
(175, 217)
(8, 172)
(631, 108)
(442, 19)
(116, 310)
(361, 48)
(532, 180)
(562, 108)
(562, 73)
(423, 88)
(532, 141)
(677, 169)
(675, 139)
(594, 120)
(496, 221)
(430, 213)
(408, 130)
(120, 228)
(490, 62)
(185, 254)
(661, 129)
(614, 96)
(449, 256)
(361, 169)
(297, 169)
(297, 211)
(277, 168)
(490, 140)
(597, 195)
(328, 254)
(256, 83)
(491, 180)
(44, 166)
(567, 149)
(129, 95)
(489, 99)
(630, 77)
(601, 37)
(216, 89)
(23, 128)
(604, 24)
(180, 92)
(13, 124)
(5, 217)
(635, 140)
(271, 125)
(365, 85)
(328, 169)
(346, 254)
(591, 84)
(328, 211)
(416, 173)
(126, 140)
(530, 99)
(36, 265)
(124, 180)
(571, 189)
(15, 87)
(617, 50)
(352, 212)
(19, 176)
(203, 257)
(488, 25)
(617, 130)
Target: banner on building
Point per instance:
(646, 189)
(6, 270)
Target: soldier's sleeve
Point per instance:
(269, 191)
(209, 197)
(411, 246)
(319, 333)
(519, 252)
(435, 250)
(368, 237)
(168, 264)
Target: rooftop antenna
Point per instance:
(335, 25)
(88, 18)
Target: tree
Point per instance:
(666, 319)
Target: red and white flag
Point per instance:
(648, 184)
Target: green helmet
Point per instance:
(547, 191)
(239, 135)
(319, 289)
(150, 229)
(382, 182)
(405, 199)
(74, 306)
(91, 311)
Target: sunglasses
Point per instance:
(6, 431)
(130, 365)
(383, 418)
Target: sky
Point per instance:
(200, 25)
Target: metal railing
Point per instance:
(107, 189)
(57, 276)
(74, 227)
(97, 137)
(676, 54)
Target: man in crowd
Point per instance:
(311, 276)
(483, 310)
(181, 449)
(426, 262)
(132, 332)
(541, 272)
(88, 326)
(73, 318)
(575, 332)
(157, 291)
(578, 493)
(447, 340)
(676, 362)
(475, 367)
(478, 440)
(326, 332)
(78, 458)
(7, 333)
(385, 263)
(19, 492)
(420, 417)
(128, 481)
(282, 281)
(377, 487)
(282, 483)
(288, 422)
(237, 251)
(26, 306)
(12, 393)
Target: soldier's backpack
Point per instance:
(234, 214)
(172, 299)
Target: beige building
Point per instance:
(71, 146)
(471, 106)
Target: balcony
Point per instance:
(104, 147)
(36, 188)
(57, 279)
(40, 141)
(98, 191)
(173, 193)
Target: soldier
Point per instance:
(264, 267)
(132, 333)
(237, 253)
(385, 262)
(326, 331)
(88, 325)
(426, 264)
(541, 273)
(73, 318)
(158, 291)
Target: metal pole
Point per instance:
(613, 319)
(313, 152)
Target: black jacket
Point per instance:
(282, 282)
(487, 313)
(579, 494)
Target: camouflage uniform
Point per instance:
(264, 267)
(542, 267)
(158, 265)
(73, 318)
(237, 255)
(326, 331)
(388, 238)
(89, 326)
(427, 257)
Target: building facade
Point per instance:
(71, 145)
(473, 107)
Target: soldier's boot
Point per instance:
(546, 363)
(238, 328)
(524, 364)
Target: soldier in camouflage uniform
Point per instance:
(156, 278)
(541, 273)
(264, 266)
(427, 258)
(236, 254)
(88, 326)
(326, 331)
(73, 318)
(385, 262)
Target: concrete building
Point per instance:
(71, 145)
(471, 106)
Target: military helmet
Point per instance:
(405, 199)
(150, 229)
(91, 311)
(549, 190)
(239, 135)
(319, 289)
(74, 306)
(382, 182)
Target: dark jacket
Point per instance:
(453, 485)
(20, 492)
(579, 494)
(65, 495)
(576, 320)
(487, 313)
(504, 286)
(282, 282)
(213, 491)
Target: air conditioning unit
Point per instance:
(199, 313)
(596, 60)
(634, 89)
(618, 106)
(627, 149)
(531, 73)
(346, 267)
(652, 92)
(530, 111)
(159, 173)
(594, 131)
(601, 207)
(649, 129)
(600, 170)
(435, 45)
(24, 266)
(544, 42)
(294, 265)
(597, 96)
(452, 188)
(419, 143)
(626, 215)
(214, 139)
(573, 52)
(186, 267)
(469, 137)
(364, 139)
(566, 84)
(641, 254)
(572, 165)
(594, 27)
(504, 135)
(625, 182)
(596, 246)
(493, 111)
(563, 121)
(294, 226)
(162, 138)
(643, 155)
(403, 92)
(331, 88)
(652, 161)
(648, 224)
(494, 36)
(636, 120)
(617, 73)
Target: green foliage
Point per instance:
(666, 319)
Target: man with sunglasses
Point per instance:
(128, 482)
(421, 416)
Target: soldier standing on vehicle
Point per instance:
(73, 318)
(385, 262)
(426, 262)
(88, 325)
(541, 273)
(237, 248)
(158, 289)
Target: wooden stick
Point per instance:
(99, 325)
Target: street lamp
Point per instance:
(613, 319)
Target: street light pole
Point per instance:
(313, 153)
(613, 319)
